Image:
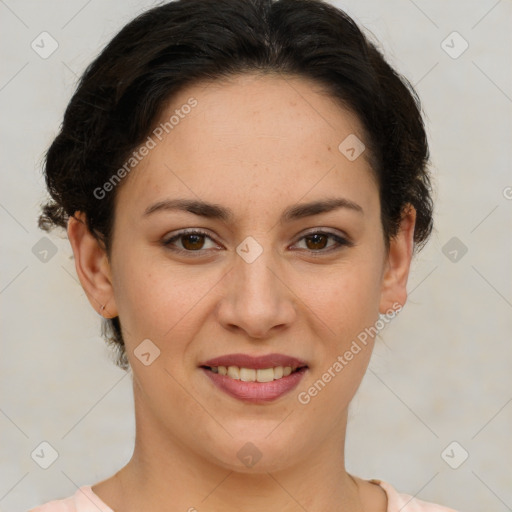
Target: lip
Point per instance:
(256, 362)
(255, 392)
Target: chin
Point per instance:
(255, 463)
(257, 454)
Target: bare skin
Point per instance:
(256, 145)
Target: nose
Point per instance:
(257, 298)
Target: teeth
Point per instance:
(265, 375)
(234, 372)
(253, 375)
(247, 374)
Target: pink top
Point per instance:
(84, 500)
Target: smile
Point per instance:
(255, 386)
(253, 374)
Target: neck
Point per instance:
(164, 474)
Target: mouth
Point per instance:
(254, 374)
(252, 379)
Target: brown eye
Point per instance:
(318, 242)
(190, 241)
(193, 242)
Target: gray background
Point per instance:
(441, 370)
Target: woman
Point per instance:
(244, 184)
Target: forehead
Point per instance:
(250, 135)
(244, 108)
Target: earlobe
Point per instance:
(397, 264)
(92, 266)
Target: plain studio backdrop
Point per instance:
(433, 414)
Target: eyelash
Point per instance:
(342, 242)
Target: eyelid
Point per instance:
(324, 231)
(188, 231)
(341, 240)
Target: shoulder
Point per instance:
(407, 503)
(84, 500)
(63, 505)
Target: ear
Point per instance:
(397, 264)
(92, 266)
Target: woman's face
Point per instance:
(268, 277)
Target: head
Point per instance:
(245, 111)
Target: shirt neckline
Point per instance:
(87, 492)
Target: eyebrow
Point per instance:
(215, 211)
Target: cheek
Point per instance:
(142, 292)
(346, 301)
(346, 308)
(160, 301)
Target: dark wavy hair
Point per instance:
(122, 93)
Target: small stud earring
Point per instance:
(101, 309)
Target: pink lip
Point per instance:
(260, 362)
(255, 392)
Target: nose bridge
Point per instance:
(257, 299)
(255, 271)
